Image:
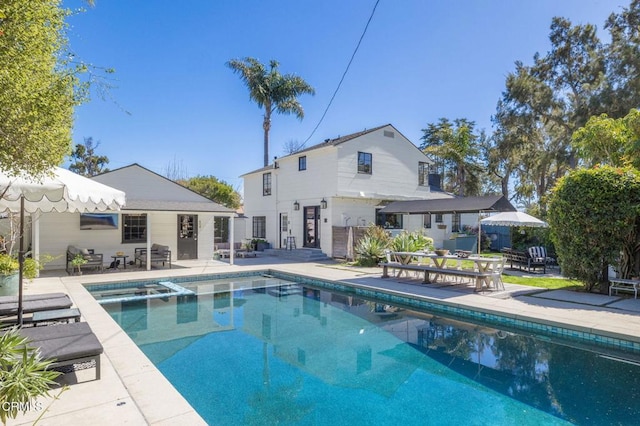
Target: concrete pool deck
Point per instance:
(132, 391)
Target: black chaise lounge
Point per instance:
(67, 344)
(34, 303)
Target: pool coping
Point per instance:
(149, 398)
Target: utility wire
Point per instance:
(343, 75)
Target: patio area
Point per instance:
(134, 391)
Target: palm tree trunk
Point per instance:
(266, 125)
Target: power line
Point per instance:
(343, 75)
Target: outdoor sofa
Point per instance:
(523, 260)
(94, 260)
(159, 254)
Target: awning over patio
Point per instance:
(497, 203)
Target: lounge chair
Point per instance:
(66, 344)
(34, 303)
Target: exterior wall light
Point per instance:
(296, 205)
(323, 204)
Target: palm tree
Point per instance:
(456, 147)
(271, 91)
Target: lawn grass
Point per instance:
(544, 282)
(552, 283)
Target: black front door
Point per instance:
(312, 227)
(187, 236)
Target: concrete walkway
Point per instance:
(133, 391)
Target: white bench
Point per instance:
(623, 284)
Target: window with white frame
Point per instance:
(426, 220)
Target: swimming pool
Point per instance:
(265, 350)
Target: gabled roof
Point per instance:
(328, 142)
(148, 190)
(496, 203)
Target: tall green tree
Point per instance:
(605, 140)
(214, 189)
(455, 146)
(87, 162)
(543, 104)
(623, 61)
(39, 87)
(272, 91)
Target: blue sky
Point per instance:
(176, 103)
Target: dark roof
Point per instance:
(176, 206)
(496, 203)
(328, 142)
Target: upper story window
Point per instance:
(302, 163)
(423, 173)
(266, 184)
(365, 162)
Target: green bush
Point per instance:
(9, 265)
(594, 218)
(23, 374)
(411, 241)
(370, 250)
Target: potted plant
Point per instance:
(9, 268)
(78, 261)
(24, 376)
(259, 244)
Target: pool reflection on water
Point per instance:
(297, 354)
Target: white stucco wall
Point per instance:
(332, 174)
(58, 230)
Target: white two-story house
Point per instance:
(340, 182)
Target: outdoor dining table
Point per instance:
(440, 262)
(482, 264)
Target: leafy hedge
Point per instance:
(594, 217)
(370, 248)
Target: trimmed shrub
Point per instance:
(594, 217)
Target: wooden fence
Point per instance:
(341, 237)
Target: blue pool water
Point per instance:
(264, 351)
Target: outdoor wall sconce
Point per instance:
(296, 205)
(323, 204)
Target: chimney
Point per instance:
(434, 180)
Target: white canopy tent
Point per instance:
(513, 219)
(59, 191)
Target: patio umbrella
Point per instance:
(513, 219)
(59, 191)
